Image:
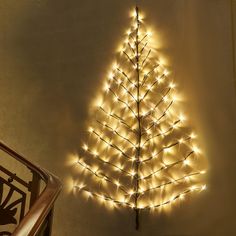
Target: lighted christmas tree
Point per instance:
(139, 148)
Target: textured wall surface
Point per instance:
(53, 57)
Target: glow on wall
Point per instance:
(140, 152)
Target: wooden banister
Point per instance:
(42, 205)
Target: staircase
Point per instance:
(27, 196)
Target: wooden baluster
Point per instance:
(34, 188)
(49, 219)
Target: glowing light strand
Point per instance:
(109, 144)
(126, 76)
(171, 182)
(145, 59)
(152, 85)
(118, 118)
(128, 57)
(161, 133)
(162, 149)
(121, 101)
(147, 207)
(102, 176)
(125, 89)
(111, 164)
(104, 197)
(145, 36)
(153, 110)
(144, 46)
(165, 167)
(116, 132)
(174, 198)
(137, 53)
(147, 75)
(131, 48)
(156, 121)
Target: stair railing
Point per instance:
(27, 203)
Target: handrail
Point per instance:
(33, 220)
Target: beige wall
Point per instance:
(54, 54)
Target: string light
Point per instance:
(182, 117)
(172, 85)
(186, 162)
(149, 33)
(196, 149)
(138, 134)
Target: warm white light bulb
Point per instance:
(85, 147)
(165, 73)
(192, 188)
(181, 140)
(110, 76)
(131, 192)
(128, 32)
(186, 162)
(90, 129)
(192, 135)
(182, 117)
(115, 66)
(204, 187)
(174, 126)
(165, 99)
(107, 87)
(196, 149)
(149, 33)
(95, 153)
(171, 85)
(133, 13)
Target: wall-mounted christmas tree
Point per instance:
(139, 152)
